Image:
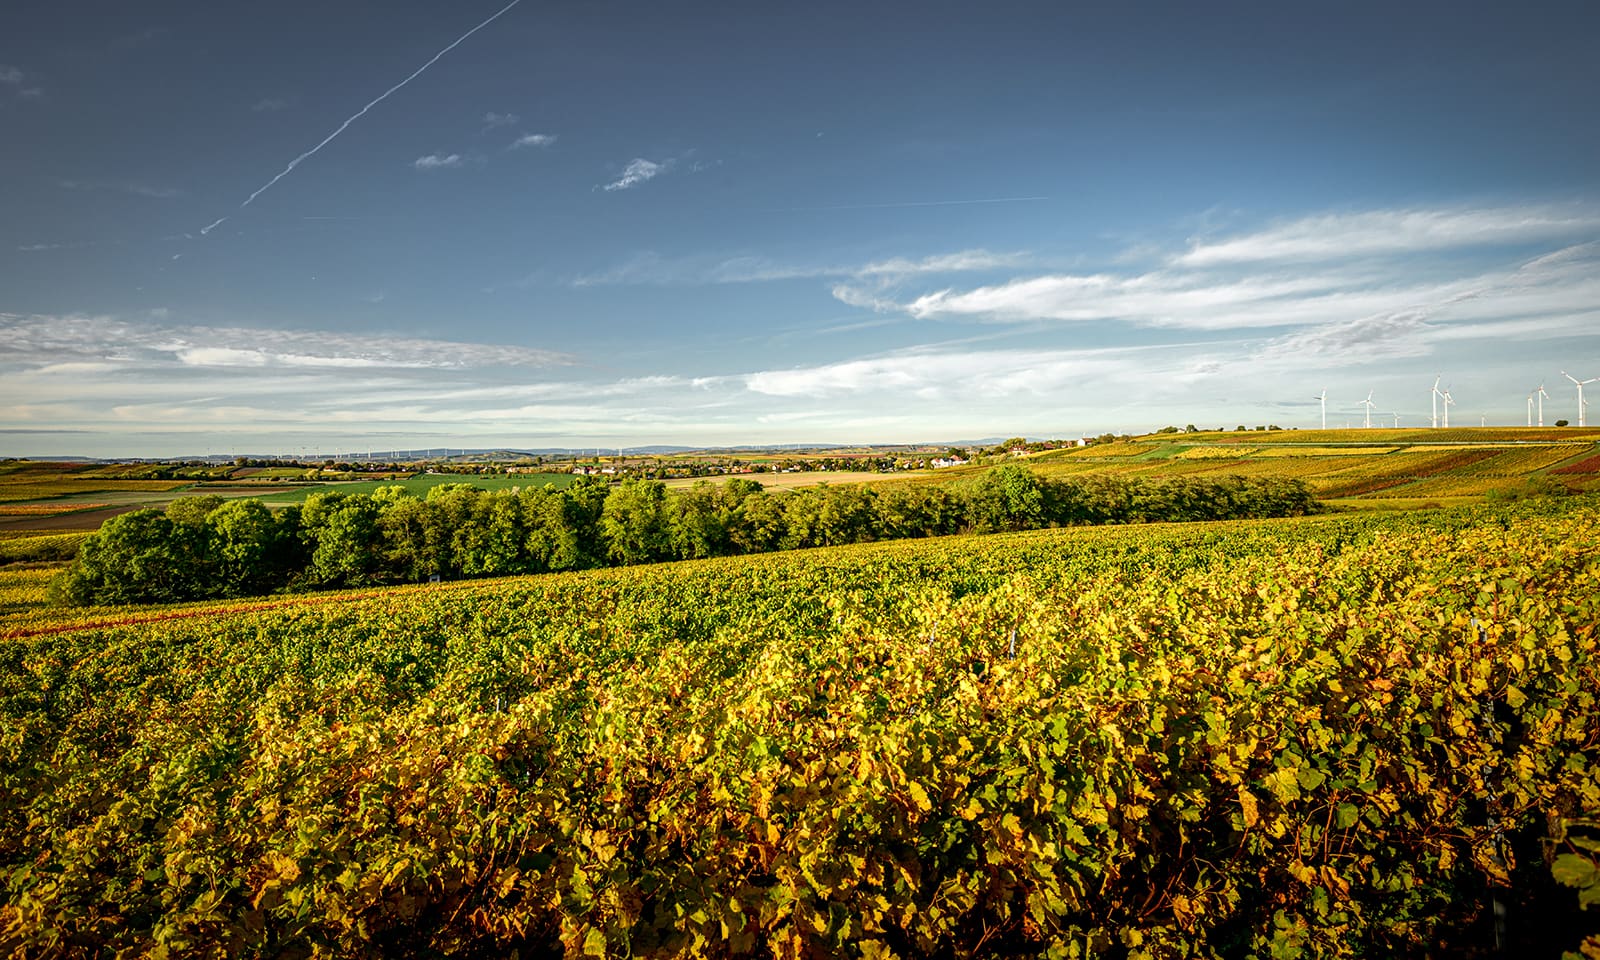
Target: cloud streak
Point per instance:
(638, 171)
(39, 341)
(1314, 272)
(1349, 235)
(363, 111)
(16, 81)
(905, 204)
(650, 268)
(437, 161)
(136, 189)
(533, 140)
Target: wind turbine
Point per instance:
(1448, 402)
(1542, 398)
(1369, 405)
(1579, 384)
(1530, 409)
(1436, 396)
(1324, 399)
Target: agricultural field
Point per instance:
(420, 485)
(1271, 738)
(805, 478)
(1421, 467)
(38, 497)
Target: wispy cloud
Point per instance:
(66, 245)
(962, 261)
(269, 105)
(533, 140)
(638, 170)
(14, 80)
(140, 38)
(438, 161)
(492, 120)
(1351, 235)
(930, 375)
(1302, 275)
(650, 268)
(902, 204)
(122, 186)
(42, 340)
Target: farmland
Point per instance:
(1356, 467)
(1260, 737)
(420, 485)
(40, 497)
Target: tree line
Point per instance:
(208, 547)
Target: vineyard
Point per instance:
(1356, 735)
(1358, 467)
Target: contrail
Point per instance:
(910, 203)
(360, 113)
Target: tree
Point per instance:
(246, 548)
(139, 557)
(416, 545)
(634, 524)
(698, 526)
(1007, 498)
(1561, 423)
(759, 524)
(345, 539)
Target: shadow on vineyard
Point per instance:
(1334, 736)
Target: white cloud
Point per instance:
(963, 261)
(638, 171)
(436, 161)
(651, 268)
(40, 340)
(491, 120)
(533, 140)
(269, 105)
(137, 189)
(1250, 282)
(1347, 235)
(14, 79)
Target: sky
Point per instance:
(319, 227)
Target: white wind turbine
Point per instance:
(1369, 405)
(1542, 398)
(1324, 398)
(1436, 396)
(1530, 409)
(1448, 402)
(1582, 404)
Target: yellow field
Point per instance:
(806, 478)
(1298, 451)
(45, 509)
(1218, 452)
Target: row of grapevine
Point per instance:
(1327, 737)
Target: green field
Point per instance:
(421, 485)
(1262, 738)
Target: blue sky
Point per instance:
(622, 223)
